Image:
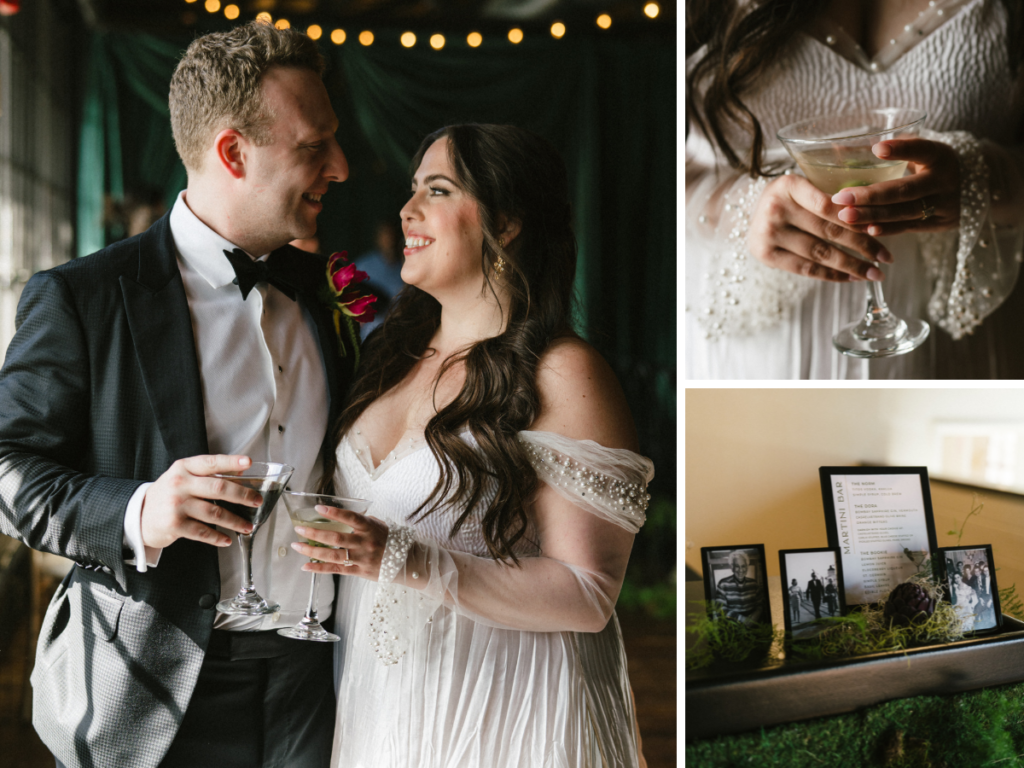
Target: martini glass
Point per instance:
(302, 511)
(268, 478)
(834, 152)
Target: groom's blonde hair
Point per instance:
(217, 84)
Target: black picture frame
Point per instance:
(986, 614)
(875, 557)
(800, 607)
(741, 602)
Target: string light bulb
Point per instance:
(314, 32)
(212, 5)
(338, 36)
(515, 35)
(652, 10)
(283, 24)
(408, 39)
(557, 30)
(231, 12)
(366, 37)
(473, 39)
(264, 18)
(437, 42)
(604, 21)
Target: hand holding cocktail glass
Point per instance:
(835, 153)
(267, 478)
(358, 553)
(310, 516)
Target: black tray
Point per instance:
(730, 698)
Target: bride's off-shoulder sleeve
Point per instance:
(608, 482)
(606, 488)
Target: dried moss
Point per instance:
(722, 638)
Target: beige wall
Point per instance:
(752, 458)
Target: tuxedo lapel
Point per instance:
(311, 276)
(161, 329)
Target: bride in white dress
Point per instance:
(765, 289)
(476, 606)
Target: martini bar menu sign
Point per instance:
(880, 519)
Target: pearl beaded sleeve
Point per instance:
(608, 482)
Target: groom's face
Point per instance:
(286, 178)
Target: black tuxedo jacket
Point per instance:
(100, 392)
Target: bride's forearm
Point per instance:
(539, 594)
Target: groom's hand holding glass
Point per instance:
(358, 553)
(181, 503)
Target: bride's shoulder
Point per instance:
(581, 398)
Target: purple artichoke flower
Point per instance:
(908, 604)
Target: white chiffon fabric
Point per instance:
(455, 660)
(745, 320)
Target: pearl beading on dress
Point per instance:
(741, 295)
(958, 305)
(630, 499)
(383, 636)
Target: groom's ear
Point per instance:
(228, 146)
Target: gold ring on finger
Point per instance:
(347, 562)
(927, 211)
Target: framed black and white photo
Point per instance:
(736, 578)
(969, 576)
(812, 588)
(880, 520)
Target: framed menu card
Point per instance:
(880, 519)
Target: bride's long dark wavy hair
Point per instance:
(517, 176)
(743, 44)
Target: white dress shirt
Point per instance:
(264, 396)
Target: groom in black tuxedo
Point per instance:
(138, 372)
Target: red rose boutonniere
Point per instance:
(348, 304)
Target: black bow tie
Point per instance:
(249, 272)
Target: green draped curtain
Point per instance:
(607, 103)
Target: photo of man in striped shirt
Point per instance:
(739, 595)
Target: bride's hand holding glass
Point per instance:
(925, 200)
(796, 228)
(358, 553)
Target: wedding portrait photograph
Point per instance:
(969, 576)
(338, 370)
(812, 589)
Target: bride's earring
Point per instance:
(499, 263)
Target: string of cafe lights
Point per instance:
(437, 41)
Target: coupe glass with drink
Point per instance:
(834, 152)
(269, 479)
(303, 513)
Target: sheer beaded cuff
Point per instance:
(972, 275)
(739, 295)
(389, 620)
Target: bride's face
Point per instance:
(443, 237)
